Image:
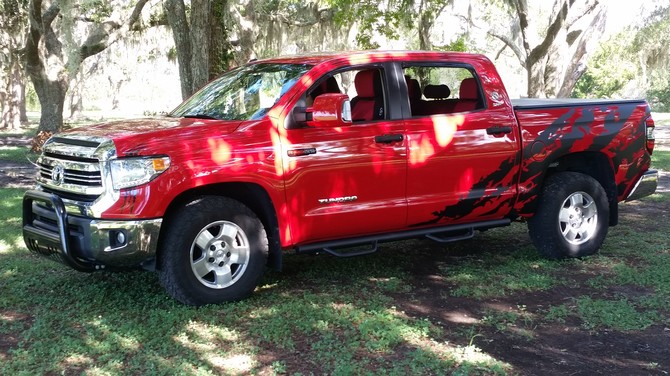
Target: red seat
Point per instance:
(369, 102)
(439, 102)
(468, 96)
(327, 86)
(414, 94)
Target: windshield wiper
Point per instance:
(201, 116)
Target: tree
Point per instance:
(651, 50)
(212, 35)
(198, 41)
(12, 76)
(53, 55)
(390, 18)
(553, 50)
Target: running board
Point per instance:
(443, 237)
(433, 233)
(360, 252)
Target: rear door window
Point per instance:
(440, 90)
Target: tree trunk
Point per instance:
(535, 70)
(425, 24)
(11, 110)
(23, 113)
(52, 98)
(200, 28)
(577, 65)
(219, 47)
(176, 16)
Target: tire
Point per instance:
(572, 218)
(214, 250)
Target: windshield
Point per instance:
(245, 93)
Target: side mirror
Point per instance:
(330, 110)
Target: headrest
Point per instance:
(365, 82)
(469, 89)
(436, 91)
(413, 88)
(329, 85)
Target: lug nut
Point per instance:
(212, 248)
(221, 263)
(211, 259)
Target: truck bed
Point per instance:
(536, 103)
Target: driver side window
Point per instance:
(365, 89)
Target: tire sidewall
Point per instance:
(190, 221)
(544, 226)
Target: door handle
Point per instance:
(496, 130)
(388, 138)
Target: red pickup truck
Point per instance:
(334, 153)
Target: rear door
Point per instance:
(348, 181)
(462, 147)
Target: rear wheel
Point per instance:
(572, 216)
(214, 250)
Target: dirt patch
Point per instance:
(16, 174)
(10, 339)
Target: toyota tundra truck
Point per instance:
(334, 153)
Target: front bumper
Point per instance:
(83, 243)
(645, 186)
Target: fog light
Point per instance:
(117, 238)
(121, 238)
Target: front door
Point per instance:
(348, 181)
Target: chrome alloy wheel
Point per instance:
(578, 218)
(220, 254)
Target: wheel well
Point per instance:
(599, 167)
(251, 195)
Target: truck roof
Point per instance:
(372, 55)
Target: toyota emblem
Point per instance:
(58, 175)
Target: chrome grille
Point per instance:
(73, 167)
(72, 176)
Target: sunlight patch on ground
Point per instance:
(239, 364)
(459, 354)
(11, 246)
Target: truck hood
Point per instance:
(141, 135)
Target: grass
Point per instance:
(19, 154)
(340, 314)
(660, 159)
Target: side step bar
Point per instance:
(438, 234)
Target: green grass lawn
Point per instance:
(660, 159)
(338, 316)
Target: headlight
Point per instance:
(131, 172)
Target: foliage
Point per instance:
(459, 45)
(388, 18)
(658, 94)
(609, 69)
(632, 63)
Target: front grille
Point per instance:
(71, 168)
(74, 177)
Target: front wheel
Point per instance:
(214, 250)
(572, 216)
